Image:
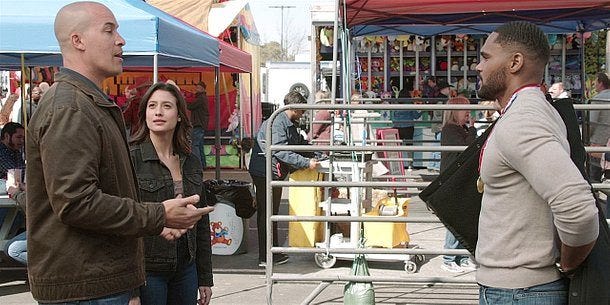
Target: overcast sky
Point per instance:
(268, 20)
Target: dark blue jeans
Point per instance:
(553, 293)
(171, 288)
(198, 137)
(115, 299)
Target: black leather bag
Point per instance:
(590, 285)
(455, 200)
(453, 195)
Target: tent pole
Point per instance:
(155, 68)
(217, 127)
(22, 81)
(333, 89)
(251, 109)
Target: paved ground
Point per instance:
(238, 280)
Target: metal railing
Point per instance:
(327, 280)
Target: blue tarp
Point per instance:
(26, 27)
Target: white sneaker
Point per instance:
(452, 267)
(468, 265)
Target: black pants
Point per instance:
(260, 184)
(406, 134)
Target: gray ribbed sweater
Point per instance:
(533, 195)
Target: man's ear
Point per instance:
(76, 40)
(516, 62)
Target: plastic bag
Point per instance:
(359, 293)
(232, 191)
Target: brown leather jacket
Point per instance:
(83, 218)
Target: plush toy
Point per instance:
(364, 64)
(454, 65)
(445, 42)
(419, 43)
(443, 65)
(219, 233)
(570, 41)
(555, 63)
(426, 45)
(471, 43)
(409, 64)
(424, 63)
(458, 43)
(576, 82)
(394, 64)
(473, 64)
(385, 95)
(370, 94)
(464, 68)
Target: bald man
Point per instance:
(84, 217)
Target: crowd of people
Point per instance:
(115, 207)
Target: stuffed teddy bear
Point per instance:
(473, 64)
(458, 43)
(576, 82)
(471, 43)
(454, 65)
(419, 43)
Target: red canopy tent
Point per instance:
(433, 17)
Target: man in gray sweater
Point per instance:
(537, 209)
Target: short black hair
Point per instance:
(602, 78)
(294, 97)
(10, 128)
(525, 36)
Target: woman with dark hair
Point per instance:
(166, 168)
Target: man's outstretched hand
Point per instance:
(181, 213)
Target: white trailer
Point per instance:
(279, 78)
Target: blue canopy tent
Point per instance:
(153, 37)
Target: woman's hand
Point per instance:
(205, 295)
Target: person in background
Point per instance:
(557, 91)
(600, 125)
(12, 139)
(320, 132)
(200, 116)
(458, 130)
(403, 119)
(486, 117)
(538, 219)
(43, 86)
(130, 110)
(16, 248)
(161, 154)
(84, 216)
(284, 132)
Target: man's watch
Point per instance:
(563, 272)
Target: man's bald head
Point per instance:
(74, 18)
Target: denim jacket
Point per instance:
(283, 132)
(156, 185)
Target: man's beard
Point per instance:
(494, 86)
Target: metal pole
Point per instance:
(217, 125)
(333, 90)
(155, 68)
(282, 7)
(251, 109)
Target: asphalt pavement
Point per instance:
(239, 280)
